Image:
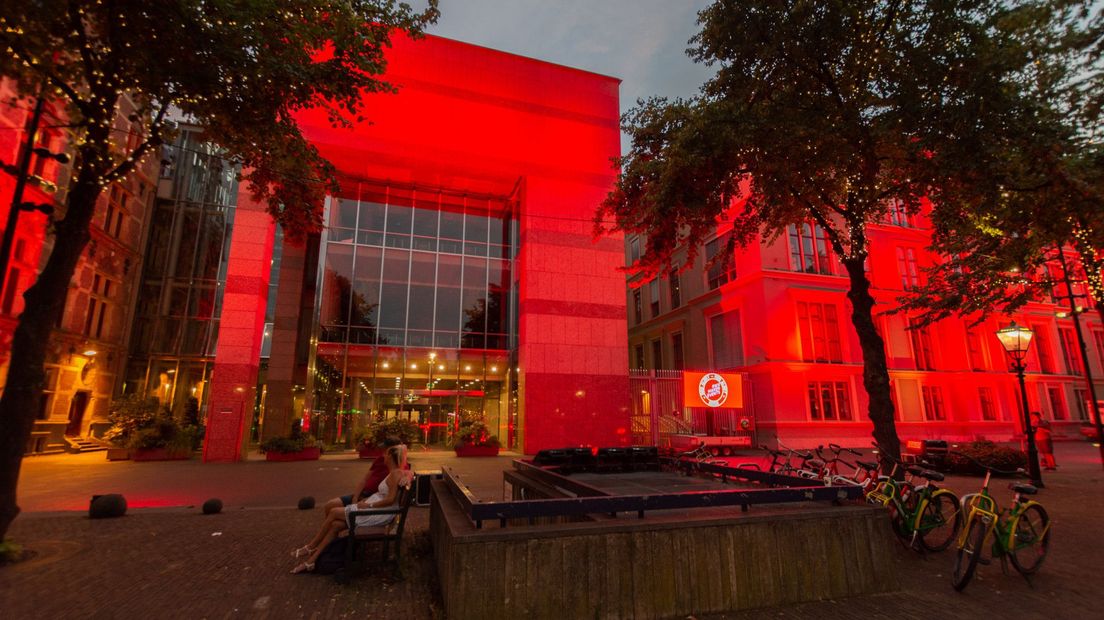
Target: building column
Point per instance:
(572, 335)
(233, 387)
(284, 368)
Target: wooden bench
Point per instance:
(360, 537)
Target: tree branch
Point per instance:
(153, 139)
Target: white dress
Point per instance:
(372, 520)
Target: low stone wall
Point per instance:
(661, 566)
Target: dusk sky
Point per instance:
(643, 42)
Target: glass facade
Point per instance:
(177, 313)
(416, 308)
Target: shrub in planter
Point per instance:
(474, 438)
(130, 414)
(284, 445)
(986, 453)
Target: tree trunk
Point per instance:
(44, 302)
(875, 370)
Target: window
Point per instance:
(899, 216)
(829, 400)
(634, 250)
(1042, 350)
(638, 307)
(976, 350)
(933, 403)
(657, 354)
(653, 297)
(675, 287)
(820, 336)
(988, 405)
(1098, 338)
(116, 211)
(906, 266)
(809, 250)
(98, 307)
(922, 353)
(1071, 352)
(677, 361)
(724, 269)
(893, 399)
(638, 356)
(727, 340)
(1081, 403)
(1057, 403)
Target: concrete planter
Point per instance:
(470, 450)
(118, 454)
(306, 454)
(160, 454)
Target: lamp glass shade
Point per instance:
(1015, 339)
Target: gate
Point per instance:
(659, 414)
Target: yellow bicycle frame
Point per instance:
(982, 507)
(1012, 530)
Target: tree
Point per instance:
(238, 69)
(1044, 195)
(822, 111)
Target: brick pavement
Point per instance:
(165, 563)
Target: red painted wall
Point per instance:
(475, 119)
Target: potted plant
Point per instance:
(474, 438)
(295, 448)
(140, 424)
(165, 440)
(370, 439)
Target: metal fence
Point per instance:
(659, 412)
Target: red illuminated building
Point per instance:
(778, 312)
(456, 277)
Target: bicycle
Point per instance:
(920, 513)
(1020, 533)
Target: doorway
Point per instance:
(76, 413)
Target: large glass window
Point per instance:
(416, 314)
(723, 269)
(727, 340)
(809, 251)
(820, 333)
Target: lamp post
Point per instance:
(1016, 340)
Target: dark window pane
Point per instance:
(421, 307)
(423, 268)
(448, 309)
(392, 311)
(425, 222)
(372, 216)
(343, 213)
(452, 225)
(399, 219)
(475, 227)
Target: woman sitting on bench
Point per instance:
(337, 523)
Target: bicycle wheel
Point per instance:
(968, 555)
(940, 521)
(1030, 539)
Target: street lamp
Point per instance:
(1016, 340)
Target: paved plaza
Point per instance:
(165, 560)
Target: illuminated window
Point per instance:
(933, 403)
(727, 340)
(675, 287)
(922, 353)
(1057, 403)
(976, 350)
(1070, 351)
(820, 334)
(809, 251)
(724, 269)
(988, 404)
(899, 216)
(677, 360)
(906, 266)
(829, 400)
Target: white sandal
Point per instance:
(301, 551)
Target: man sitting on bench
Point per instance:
(376, 473)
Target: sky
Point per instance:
(642, 42)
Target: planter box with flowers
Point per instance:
(369, 440)
(475, 439)
(285, 449)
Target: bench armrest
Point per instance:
(351, 516)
